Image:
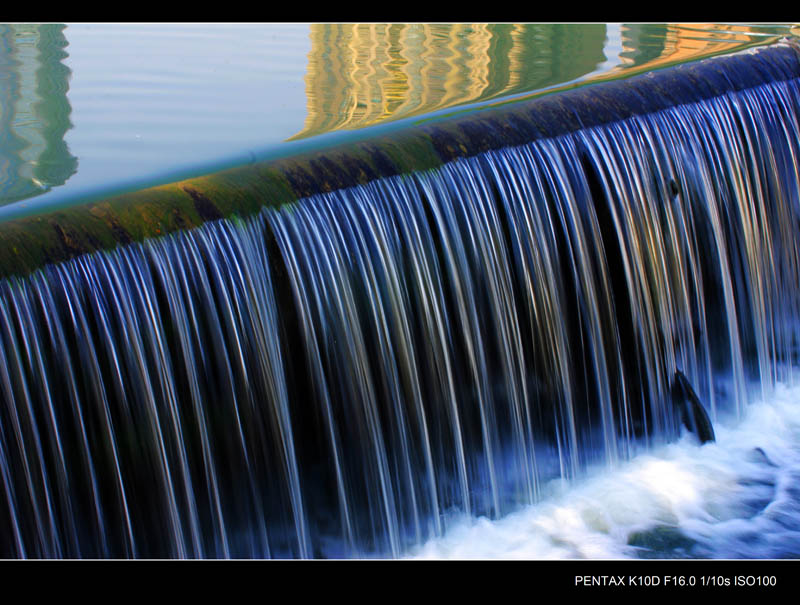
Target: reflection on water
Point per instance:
(149, 99)
(34, 111)
(657, 45)
(363, 74)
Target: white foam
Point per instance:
(731, 498)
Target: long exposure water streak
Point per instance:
(334, 377)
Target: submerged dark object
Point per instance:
(692, 413)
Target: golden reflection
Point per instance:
(680, 42)
(363, 74)
(366, 73)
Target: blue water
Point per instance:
(737, 498)
(131, 105)
(380, 370)
(473, 361)
(147, 101)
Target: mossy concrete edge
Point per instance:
(31, 242)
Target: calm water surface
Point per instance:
(89, 109)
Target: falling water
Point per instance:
(335, 377)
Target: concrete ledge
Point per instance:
(29, 243)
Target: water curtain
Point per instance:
(336, 376)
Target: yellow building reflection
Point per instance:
(363, 74)
(680, 42)
(34, 111)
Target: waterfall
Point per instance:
(330, 378)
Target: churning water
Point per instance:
(352, 374)
(736, 498)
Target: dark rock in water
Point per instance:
(692, 414)
(662, 542)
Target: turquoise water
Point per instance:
(89, 109)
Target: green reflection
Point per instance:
(34, 111)
(643, 43)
